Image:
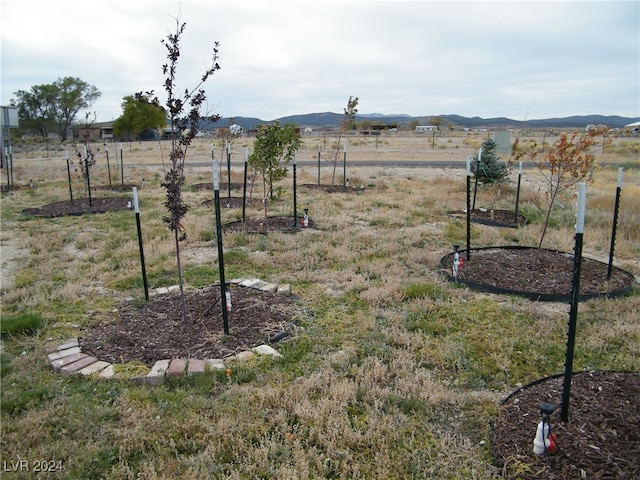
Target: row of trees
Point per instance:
(53, 108)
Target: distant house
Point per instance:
(92, 132)
(426, 128)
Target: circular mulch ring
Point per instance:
(234, 202)
(273, 224)
(600, 440)
(155, 330)
(494, 218)
(222, 187)
(79, 206)
(510, 270)
(127, 187)
(332, 188)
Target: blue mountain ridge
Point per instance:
(330, 120)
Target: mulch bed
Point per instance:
(233, 202)
(494, 218)
(513, 270)
(223, 187)
(117, 187)
(79, 206)
(330, 188)
(155, 330)
(601, 440)
(272, 224)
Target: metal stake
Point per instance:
(223, 292)
(573, 313)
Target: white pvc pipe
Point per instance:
(136, 207)
(216, 182)
(582, 200)
(620, 170)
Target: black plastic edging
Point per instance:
(542, 297)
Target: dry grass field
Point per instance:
(393, 372)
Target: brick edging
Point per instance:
(68, 358)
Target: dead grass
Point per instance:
(394, 374)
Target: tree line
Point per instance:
(53, 108)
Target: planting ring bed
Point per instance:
(494, 218)
(273, 224)
(600, 440)
(79, 207)
(511, 270)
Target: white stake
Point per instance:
(216, 182)
(582, 200)
(136, 207)
(620, 170)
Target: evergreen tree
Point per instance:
(489, 169)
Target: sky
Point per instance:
(518, 59)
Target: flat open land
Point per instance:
(390, 370)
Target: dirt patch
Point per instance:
(155, 330)
(600, 440)
(11, 252)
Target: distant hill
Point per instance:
(330, 120)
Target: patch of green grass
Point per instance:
(21, 324)
(199, 276)
(430, 290)
(5, 365)
(484, 345)
(207, 235)
(21, 397)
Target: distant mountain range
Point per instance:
(330, 119)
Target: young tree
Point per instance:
(86, 160)
(56, 105)
(489, 169)
(185, 118)
(347, 123)
(139, 113)
(273, 149)
(566, 163)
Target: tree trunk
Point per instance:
(182, 301)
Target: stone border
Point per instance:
(67, 357)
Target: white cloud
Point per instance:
(287, 57)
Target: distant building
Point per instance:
(426, 128)
(92, 132)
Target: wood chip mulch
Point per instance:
(601, 440)
(155, 330)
